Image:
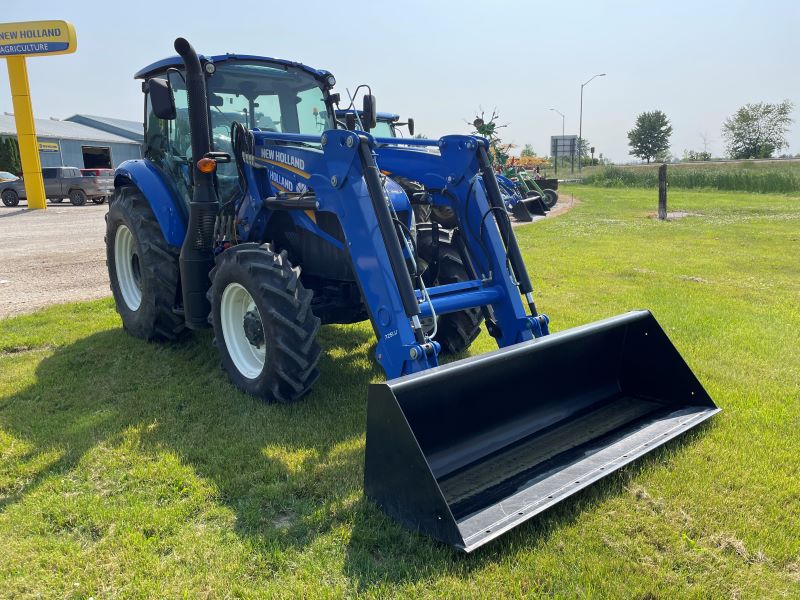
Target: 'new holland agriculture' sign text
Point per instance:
(35, 38)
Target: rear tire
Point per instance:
(10, 198)
(455, 331)
(77, 197)
(143, 269)
(265, 330)
(550, 198)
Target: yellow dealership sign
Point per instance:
(35, 38)
(48, 147)
(18, 41)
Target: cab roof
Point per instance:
(175, 61)
(381, 116)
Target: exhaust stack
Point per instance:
(197, 259)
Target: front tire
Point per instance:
(265, 330)
(10, 198)
(550, 198)
(455, 331)
(99, 200)
(142, 268)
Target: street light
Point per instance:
(562, 136)
(580, 123)
(562, 120)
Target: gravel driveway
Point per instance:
(51, 256)
(58, 255)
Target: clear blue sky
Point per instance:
(440, 61)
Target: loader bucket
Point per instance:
(467, 451)
(536, 206)
(521, 213)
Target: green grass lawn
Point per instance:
(130, 469)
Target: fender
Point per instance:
(168, 208)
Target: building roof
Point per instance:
(133, 130)
(66, 130)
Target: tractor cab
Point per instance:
(388, 125)
(260, 93)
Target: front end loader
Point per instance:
(255, 214)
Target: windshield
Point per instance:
(267, 97)
(383, 129)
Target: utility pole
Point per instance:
(580, 123)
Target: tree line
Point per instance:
(756, 130)
(9, 155)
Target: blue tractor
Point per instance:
(256, 214)
(388, 125)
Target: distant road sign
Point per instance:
(563, 145)
(36, 38)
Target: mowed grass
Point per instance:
(135, 470)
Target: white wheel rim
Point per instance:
(236, 303)
(126, 262)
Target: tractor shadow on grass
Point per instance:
(288, 472)
(292, 475)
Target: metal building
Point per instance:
(133, 130)
(71, 144)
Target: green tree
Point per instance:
(649, 138)
(696, 156)
(4, 155)
(757, 130)
(527, 151)
(9, 155)
(497, 150)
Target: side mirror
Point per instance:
(369, 112)
(411, 127)
(161, 98)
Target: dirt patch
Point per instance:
(564, 204)
(51, 256)
(283, 521)
(678, 214)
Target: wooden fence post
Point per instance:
(662, 192)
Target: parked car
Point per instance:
(61, 183)
(6, 176)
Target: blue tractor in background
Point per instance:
(255, 213)
(388, 125)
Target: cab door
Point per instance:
(168, 143)
(52, 182)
